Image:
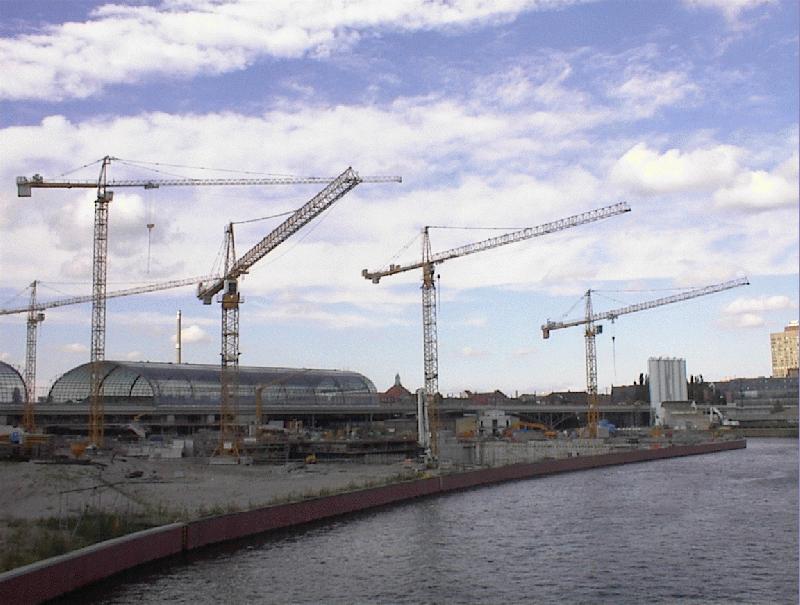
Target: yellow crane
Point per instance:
(105, 195)
(35, 310)
(429, 260)
(591, 318)
(228, 288)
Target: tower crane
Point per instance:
(35, 310)
(429, 260)
(230, 298)
(105, 194)
(592, 330)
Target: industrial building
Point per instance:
(667, 383)
(784, 346)
(761, 401)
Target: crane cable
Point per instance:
(478, 228)
(263, 218)
(80, 168)
(401, 250)
(614, 347)
(16, 296)
(143, 164)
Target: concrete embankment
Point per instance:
(54, 577)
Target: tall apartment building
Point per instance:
(785, 347)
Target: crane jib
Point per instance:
(325, 198)
(642, 306)
(509, 238)
(25, 184)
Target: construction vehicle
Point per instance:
(35, 310)
(592, 329)
(228, 288)
(428, 440)
(716, 418)
(522, 425)
(105, 195)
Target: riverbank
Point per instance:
(47, 579)
(50, 509)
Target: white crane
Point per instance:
(429, 260)
(590, 318)
(227, 285)
(35, 310)
(105, 194)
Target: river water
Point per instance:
(718, 528)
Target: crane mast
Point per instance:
(429, 327)
(229, 369)
(35, 309)
(230, 298)
(99, 270)
(100, 253)
(430, 345)
(34, 319)
(591, 369)
(592, 329)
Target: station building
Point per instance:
(184, 398)
(12, 385)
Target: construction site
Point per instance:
(175, 440)
(233, 414)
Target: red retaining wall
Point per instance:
(50, 578)
(54, 577)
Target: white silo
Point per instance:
(667, 383)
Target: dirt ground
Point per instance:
(175, 488)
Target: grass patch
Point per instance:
(26, 541)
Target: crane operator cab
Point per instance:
(230, 294)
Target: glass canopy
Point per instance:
(188, 384)
(12, 386)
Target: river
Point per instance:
(718, 528)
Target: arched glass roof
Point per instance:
(12, 386)
(187, 384)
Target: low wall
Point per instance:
(52, 577)
(59, 575)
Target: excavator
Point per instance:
(522, 425)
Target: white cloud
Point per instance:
(747, 312)
(192, 334)
(759, 305)
(646, 171)
(732, 10)
(759, 190)
(426, 140)
(308, 313)
(178, 39)
(74, 348)
(472, 352)
(134, 356)
(476, 321)
(744, 320)
(645, 91)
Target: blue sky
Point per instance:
(505, 114)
